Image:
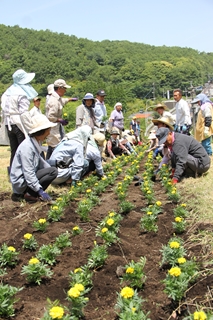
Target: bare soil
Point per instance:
(16, 219)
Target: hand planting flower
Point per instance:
(29, 242)
(35, 270)
(8, 256)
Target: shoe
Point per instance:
(29, 198)
(139, 183)
(17, 197)
(136, 178)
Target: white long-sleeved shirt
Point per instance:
(182, 113)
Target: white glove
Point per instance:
(206, 132)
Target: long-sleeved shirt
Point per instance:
(85, 116)
(93, 153)
(182, 113)
(117, 119)
(100, 111)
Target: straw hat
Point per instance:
(159, 105)
(164, 120)
(40, 122)
(100, 138)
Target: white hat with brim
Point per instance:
(50, 88)
(99, 137)
(22, 77)
(40, 122)
(160, 106)
(196, 100)
(165, 121)
(61, 84)
(152, 136)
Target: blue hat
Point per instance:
(22, 77)
(88, 96)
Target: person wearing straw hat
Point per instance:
(161, 109)
(163, 122)
(30, 174)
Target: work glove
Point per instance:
(176, 128)
(73, 99)
(174, 181)
(184, 128)
(44, 196)
(73, 184)
(206, 132)
(63, 122)
(63, 164)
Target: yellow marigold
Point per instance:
(181, 260)
(158, 203)
(79, 287)
(178, 219)
(103, 178)
(127, 292)
(79, 184)
(11, 249)
(119, 170)
(55, 207)
(110, 222)
(28, 236)
(111, 214)
(133, 309)
(96, 184)
(119, 183)
(173, 192)
(34, 261)
(77, 270)
(175, 272)
(56, 312)
(74, 293)
(104, 230)
(42, 221)
(86, 299)
(149, 212)
(75, 228)
(183, 205)
(200, 315)
(109, 175)
(130, 270)
(174, 244)
(65, 114)
(88, 190)
(148, 192)
(59, 199)
(169, 183)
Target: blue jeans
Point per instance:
(207, 145)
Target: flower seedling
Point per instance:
(36, 270)
(8, 256)
(41, 224)
(29, 242)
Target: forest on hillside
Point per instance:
(122, 68)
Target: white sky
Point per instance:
(183, 23)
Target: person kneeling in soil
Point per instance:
(188, 156)
(114, 147)
(30, 174)
(73, 146)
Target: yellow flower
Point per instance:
(11, 249)
(149, 212)
(103, 178)
(42, 221)
(148, 192)
(75, 228)
(55, 207)
(178, 219)
(200, 315)
(173, 192)
(119, 183)
(77, 270)
(79, 287)
(183, 205)
(96, 184)
(79, 184)
(181, 260)
(88, 190)
(174, 244)
(109, 175)
(65, 114)
(176, 271)
(111, 214)
(130, 270)
(28, 236)
(127, 292)
(59, 199)
(158, 203)
(56, 312)
(86, 299)
(110, 222)
(133, 309)
(104, 230)
(34, 261)
(74, 293)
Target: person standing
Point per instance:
(100, 111)
(54, 110)
(36, 108)
(15, 104)
(204, 124)
(183, 118)
(85, 114)
(117, 118)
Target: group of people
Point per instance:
(189, 156)
(68, 156)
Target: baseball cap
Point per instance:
(101, 93)
(61, 83)
(161, 134)
(37, 98)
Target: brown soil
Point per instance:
(16, 220)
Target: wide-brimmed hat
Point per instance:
(114, 132)
(88, 96)
(61, 84)
(162, 134)
(22, 77)
(152, 136)
(40, 122)
(99, 137)
(164, 120)
(159, 105)
(50, 88)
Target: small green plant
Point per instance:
(109, 236)
(180, 211)
(29, 242)
(48, 253)
(179, 225)
(55, 311)
(81, 275)
(56, 212)
(173, 195)
(148, 222)
(134, 273)
(7, 299)
(97, 256)
(77, 300)
(84, 207)
(63, 240)
(41, 225)
(8, 256)
(126, 207)
(76, 230)
(172, 251)
(36, 270)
